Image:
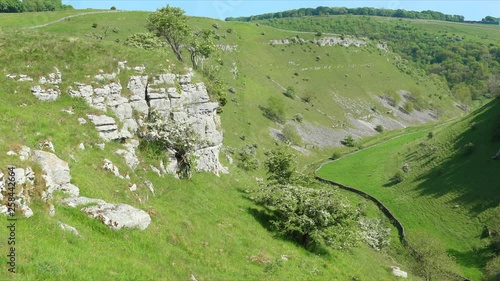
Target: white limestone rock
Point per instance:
(118, 216)
(69, 228)
(25, 153)
(46, 145)
(150, 186)
(109, 166)
(82, 121)
(129, 154)
(45, 94)
(74, 202)
(398, 272)
(56, 174)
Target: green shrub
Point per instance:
(312, 217)
(298, 118)
(348, 141)
(94, 25)
(113, 8)
(398, 177)
(469, 148)
(336, 155)
(275, 109)
(430, 135)
(408, 107)
(290, 135)
(247, 159)
(290, 92)
(492, 269)
(280, 165)
(379, 128)
(147, 41)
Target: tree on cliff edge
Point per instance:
(171, 24)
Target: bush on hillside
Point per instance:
(336, 155)
(408, 107)
(398, 177)
(290, 135)
(280, 165)
(298, 118)
(348, 141)
(312, 217)
(379, 128)
(147, 41)
(290, 92)
(274, 110)
(375, 234)
(247, 159)
(469, 148)
(492, 269)
(432, 260)
(167, 134)
(113, 8)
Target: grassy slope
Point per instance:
(203, 227)
(349, 76)
(440, 177)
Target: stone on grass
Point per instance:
(74, 202)
(118, 216)
(398, 272)
(56, 174)
(69, 228)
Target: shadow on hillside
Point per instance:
(470, 173)
(265, 221)
(471, 259)
(262, 217)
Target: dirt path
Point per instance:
(68, 17)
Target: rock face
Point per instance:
(188, 103)
(118, 216)
(192, 106)
(56, 174)
(334, 41)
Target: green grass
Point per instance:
(440, 177)
(16, 21)
(204, 226)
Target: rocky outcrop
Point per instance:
(129, 154)
(173, 96)
(107, 127)
(50, 94)
(74, 202)
(55, 173)
(336, 41)
(279, 42)
(118, 216)
(109, 166)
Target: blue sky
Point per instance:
(472, 10)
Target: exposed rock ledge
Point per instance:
(188, 103)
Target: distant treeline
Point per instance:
(366, 11)
(17, 6)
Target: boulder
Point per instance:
(74, 202)
(118, 216)
(108, 165)
(56, 174)
(69, 228)
(398, 272)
